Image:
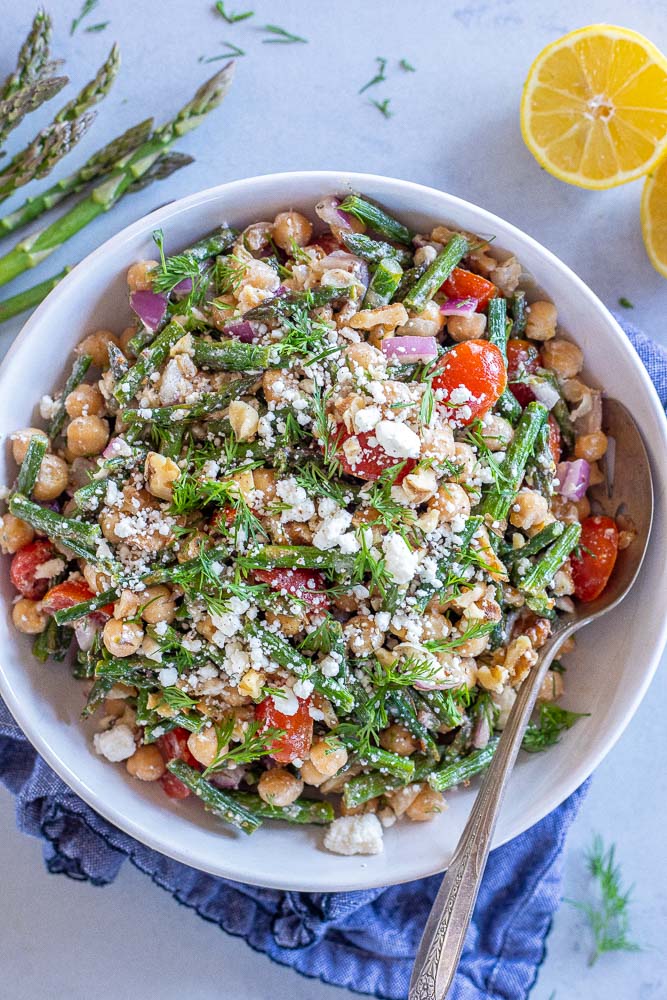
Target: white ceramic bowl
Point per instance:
(607, 676)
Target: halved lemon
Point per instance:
(594, 106)
(654, 217)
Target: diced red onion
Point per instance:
(410, 349)
(545, 393)
(182, 289)
(150, 307)
(116, 448)
(459, 307)
(347, 262)
(573, 478)
(243, 330)
(481, 732)
(328, 211)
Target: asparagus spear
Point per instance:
(15, 108)
(231, 355)
(374, 251)
(30, 298)
(53, 142)
(30, 465)
(220, 803)
(386, 279)
(79, 537)
(209, 402)
(300, 811)
(377, 219)
(456, 771)
(148, 361)
(544, 571)
(39, 245)
(518, 310)
(75, 378)
(538, 542)
(99, 164)
(507, 406)
(436, 273)
(32, 58)
(77, 611)
(53, 643)
(497, 502)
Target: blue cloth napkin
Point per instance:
(365, 941)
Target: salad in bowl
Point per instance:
(301, 527)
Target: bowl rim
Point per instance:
(338, 179)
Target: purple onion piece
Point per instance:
(410, 349)
(242, 329)
(228, 779)
(182, 289)
(150, 307)
(459, 307)
(573, 478)
(328, 210)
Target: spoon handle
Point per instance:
(442, 942)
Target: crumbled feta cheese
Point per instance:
(303, 688)
(330, 665)
(168, 676)
(367, 419)
(301, 507)
(286, 701)
(354, 835)
(398, 440)
(48, 407)
(332, 529)
(400, 562)
(115, 744)
(47, 570)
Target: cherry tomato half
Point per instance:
(373, 459)
(69, 593)
(303, 583)
(522, 358)
(478, 367)
(554, 439)
(298, 729)
(598, 551)
(24, 566)
(463, 284)
(174, 746)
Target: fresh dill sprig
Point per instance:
(177, 699)
(380, 75)
(255, 745)
(474, 436)
(172, 270)
(297, 253)
(383, 107)
(232, 16)
(371, 570)
(326, 636)
(393, 515)
(427, 406)
(408, 67)
(315, 481)
(553, 720)
(87, 8)
(608, 917)
(95, 28)
(231, 52)
(326, 432)
(192, 493)
(228, 274)
(626, 303)
(283, 37)
(302, 335)
(475, 630)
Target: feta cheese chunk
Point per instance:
(355, 835)
(397, 439)
(115, 744)
(400, 562)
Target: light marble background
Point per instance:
(455, 127)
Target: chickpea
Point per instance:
(21, 439)
(462, 328)
(328, 756)
(529, 508)
(541, 321)
(146, 763)
(158, 604)
(289, 624)
(108, 521)
(244, 420)
(592, 447)
(140, 276)
(161, 473)
(85, 400)
(398, 740)
(204, 746)
(291, 226)
(87, 436)
(425, 806)
(122, 638)
(28, 617)
(362, 635)
(436, 625)
(126, 336)
(507, 275)
(96, 345)
(51, 479)
(450, 501)
(496, 432)
(278, 787)
(14, 534)
(562, 357)
(311, 776)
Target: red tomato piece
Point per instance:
(522, 393)
(598, 551)
(467, 285)
(223, 518)
(24, 566)
(522, 356)
(303, 583)
(373, 459)
(298, 730)
(479, 367)
(173, 786)
(554, 439)
(69, 593)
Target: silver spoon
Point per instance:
(628, 489)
